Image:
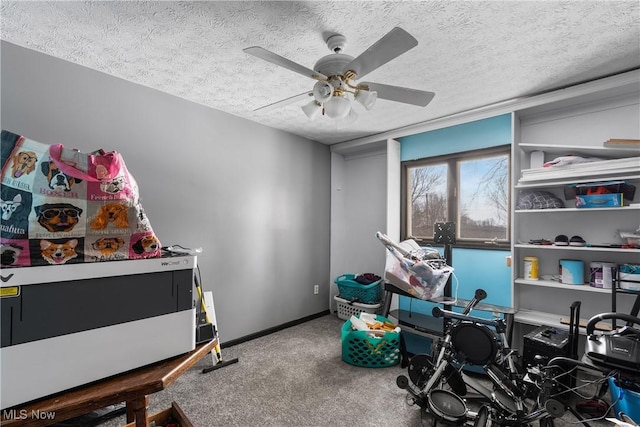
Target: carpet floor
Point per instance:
(294, 378)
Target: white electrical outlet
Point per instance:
(316, 289)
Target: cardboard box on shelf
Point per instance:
(600, 201)
(600, 188)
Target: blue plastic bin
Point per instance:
(625, 401)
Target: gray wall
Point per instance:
(359, 206)
(257, 200)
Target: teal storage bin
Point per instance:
(353, 291)
(361, 349)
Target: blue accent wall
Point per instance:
(486, 269)
(484, 133)
(474, 268)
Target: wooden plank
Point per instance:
(161, 417)
(600, 326)
(620, 142)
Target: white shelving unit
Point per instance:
(580, 127)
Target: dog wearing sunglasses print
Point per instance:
(58, 217)
(108, 245)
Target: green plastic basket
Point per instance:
(354, 291)
(361, 349)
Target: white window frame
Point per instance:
(453, 190)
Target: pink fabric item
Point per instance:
(101, 167)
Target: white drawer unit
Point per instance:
(68, 325)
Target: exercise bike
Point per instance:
(438, 384)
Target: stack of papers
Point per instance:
(591, 169)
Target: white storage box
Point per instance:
(346, 309)
(630, 277)
(68, 325)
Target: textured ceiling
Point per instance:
(470, 53)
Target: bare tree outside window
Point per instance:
(428, 195)
(483, 189)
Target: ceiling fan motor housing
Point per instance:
(336, 43)
(332, 65)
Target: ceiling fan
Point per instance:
(336, 74)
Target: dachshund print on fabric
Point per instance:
(114, 213)
(55, 253)
(23, 163)
(56, 179)
(58, 217)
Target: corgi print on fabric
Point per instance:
(58, 253)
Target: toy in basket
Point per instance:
(422, 272)
(370, 341)
(354, 291)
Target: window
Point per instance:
(470, 189)
(428, 202)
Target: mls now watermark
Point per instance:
(23, 414)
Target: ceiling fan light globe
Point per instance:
(322, 92)
(337, 107)
(351, 117)
(367, 98)
(347, 121)
(312, 109)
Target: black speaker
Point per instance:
(546, 342)
(205, 333)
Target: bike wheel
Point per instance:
(420, 369)
(484, 417)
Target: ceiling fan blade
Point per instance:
(283, 62)
(400, 94)
(285, 102)
(393, 44)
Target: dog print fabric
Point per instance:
(50, 217)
